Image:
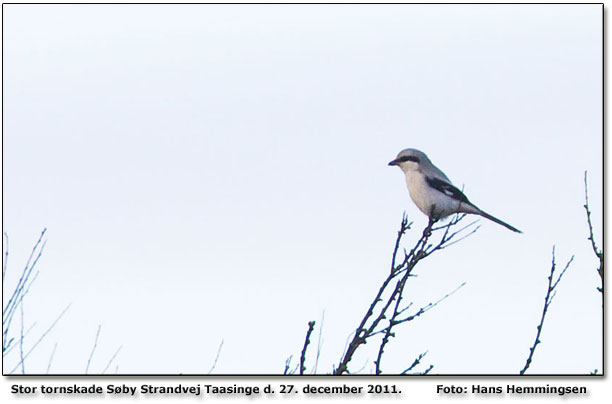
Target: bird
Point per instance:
(431, 190)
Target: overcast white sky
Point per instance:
(212, 173)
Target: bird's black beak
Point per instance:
(394, 163)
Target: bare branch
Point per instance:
(388, 333)
(598, 253)
(393, 321)
(51, 358)
(550, 294)
(20, 291)
(25, 274)
(379, 308)
(9, 318)
(93, 349)
(21, 342)
(403, 228)
(365, 363)
(415, 363)
(311, 325)
(428, 307)
(288, 370)
(426, 371)
(10, 346)
(319, 342)
(44, 334)
(112, 359)
(216, 358)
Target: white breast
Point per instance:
(424, 197)
(419, 192)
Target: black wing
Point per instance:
(447, 189)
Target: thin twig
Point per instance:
(287, 365)
(112, 359)
(450, 243)
(216, 358)
(17, 296)
(11, 315)
(426, 371)
(393, 321)
(415, 363)
(429, 306)
(403, 228)
(598, 253)
(319, 342)
(51, 358)
(44, 334)
(388, 333)
(22, 291)
(550, 293)
(21, 342)
(24, 275)
(10, 346)
(365, 363)
(311, 325)
(19, 293)
(93, 349)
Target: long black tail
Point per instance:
(496, 220)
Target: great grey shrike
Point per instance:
(432, 191)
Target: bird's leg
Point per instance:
(428, 230)
(433, 218)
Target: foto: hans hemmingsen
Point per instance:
(513, 389)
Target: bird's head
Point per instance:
(410, 160)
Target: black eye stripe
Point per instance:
(409, 158)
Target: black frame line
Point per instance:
(134, 376)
